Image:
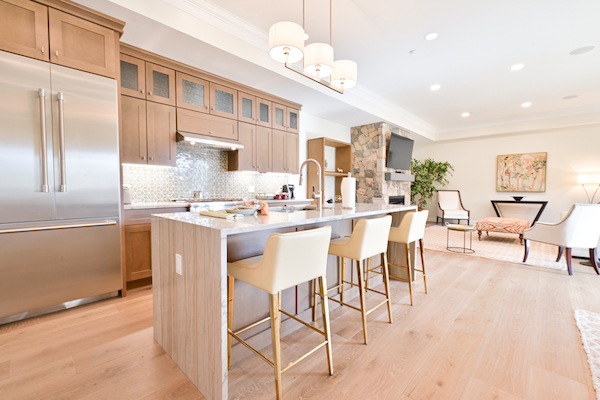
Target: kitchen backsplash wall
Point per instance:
(197, 168)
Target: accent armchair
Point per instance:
(579, 228)
(450, 207)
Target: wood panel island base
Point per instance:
(189, 258)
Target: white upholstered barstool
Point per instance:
(369, 238)
(289, 259)
(411, 229)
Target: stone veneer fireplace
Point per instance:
(369, 151)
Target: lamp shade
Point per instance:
(344, 74)
(588, 178)
(287, 37)
(318, 59)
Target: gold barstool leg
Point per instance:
(326, 323)
(409, 270)
(423, 264)
(280, 295)
(275, 334)
(386, 281)
(361, 289)
(314, 309)
(343, 268)
(368, 268)
(230, 283)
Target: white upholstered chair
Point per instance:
(450, 207)
(369, 239)
(411, 229)
(579, 228)
(289, 259)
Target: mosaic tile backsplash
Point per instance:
(198, 168)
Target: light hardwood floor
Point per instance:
(486, 330)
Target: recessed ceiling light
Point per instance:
(465, 114)
(570, 97)
(431, 36)
(435, 87)
(306, 36)
(517, 67)
(527, 104)
(412, 52)
(582, 50)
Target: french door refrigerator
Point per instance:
(60, 236)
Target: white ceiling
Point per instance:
(478, 42)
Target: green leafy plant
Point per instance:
(427, 173)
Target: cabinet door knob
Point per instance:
(56, 53)
(143, 158)
(210, 133)
(151, 158)
(42, 49)
(142, 91)
(213, 109)
(150, 93)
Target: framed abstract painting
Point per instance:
(521, 172)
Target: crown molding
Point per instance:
(220, 18)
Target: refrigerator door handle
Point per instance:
(58, 226)
(61, 136)
(42, 96)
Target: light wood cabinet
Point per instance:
(162, 132)
(291, 154)
(138, 241)
(133, 131)
(257, 152)
(148, 132)
(223, 101)
(192, 92)
(247, 108)
(279, 151)
(264, 112)
(133, 76)
(83, 45)
(160, 84)
(24, 28)
(293, 120)
(208, 125)
(279, 117)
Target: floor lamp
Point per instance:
(589, 179)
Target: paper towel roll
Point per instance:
(348, 192)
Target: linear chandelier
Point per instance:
(286, 45)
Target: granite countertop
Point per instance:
(163, 204)
(275, 220)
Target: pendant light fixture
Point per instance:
(318, 58)
(286, 45)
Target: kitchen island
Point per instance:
(189, 256)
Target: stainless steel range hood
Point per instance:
(209, 141)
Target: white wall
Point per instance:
(312, 127)
(570, 151)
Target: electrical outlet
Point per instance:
(178, 266)
(251, 189)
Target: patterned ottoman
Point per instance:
(502, 225)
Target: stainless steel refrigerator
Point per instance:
(60, 235)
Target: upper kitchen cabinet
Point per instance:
(279, 117)
(192, 92)
(133, 76)
(292, 120)
(292, 145)
(83, 45)
(257, 152)
(247, 108)
(285, 152)
(24, 28)
(208, 125)
(264, 112)
(160, 84)
(134, 148)
(162, 144)
(223, 101)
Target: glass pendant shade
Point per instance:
(318, 59)
(286, 37)
(344, 74)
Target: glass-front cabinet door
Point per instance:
(280, 117)
(223, 101)
(264, 114)
(192, 92)
(246, 108)
(133, 77)
(160, 84)
(292, 120)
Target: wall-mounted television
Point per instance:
(399, 153)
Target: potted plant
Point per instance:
(426, 174)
